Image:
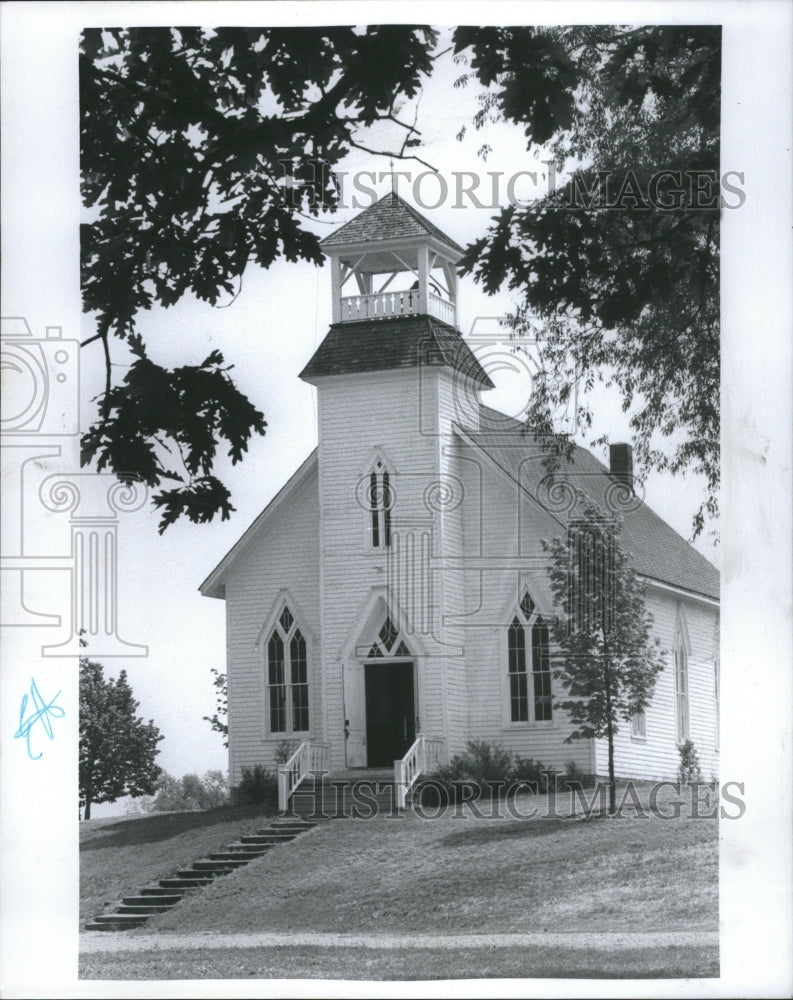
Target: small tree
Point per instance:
(117, 749)
(222, 695)
(603, 651)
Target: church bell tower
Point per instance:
(394, 379)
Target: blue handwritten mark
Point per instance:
(39, 716)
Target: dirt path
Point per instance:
(110, 941)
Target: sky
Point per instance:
(268, 332)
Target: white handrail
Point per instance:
(381, 305)
(423, 754)
(307, 758)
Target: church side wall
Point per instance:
(503, 538)
(285, 555)
(656, 756)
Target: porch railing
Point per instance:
(307, 758)
(424, 755)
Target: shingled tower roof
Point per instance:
(390, 218)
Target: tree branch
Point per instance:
(397, 156)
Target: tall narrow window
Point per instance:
(527, 638)
(276, 683)
(639, 725)
(716, 699)
(380, 503)
(541, 671)
(518, 682)
(287, 677)
(681, 687)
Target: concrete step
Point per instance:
(159, 890)
(145, 900)
(148, 910)
(250, 850)
(218, 867)
(236, 858)
(186, 880)
(116, 921)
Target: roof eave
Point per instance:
(214, 585)
(450, 249)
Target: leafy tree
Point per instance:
(222, 693)
(204, 150)
(190, 792)
(117, 748)
(200, 151)
(602, 648)
(619, 278)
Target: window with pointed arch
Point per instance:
(380, 503)
(529, 665)
(287, 677)
(681, 684)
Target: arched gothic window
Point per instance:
(388, 643)
(529, 666)
(287, 677)
(380, 503)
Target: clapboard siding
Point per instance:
(657, 756)
(476, 543)
(505, 536)
(393, 415)
(285, 555)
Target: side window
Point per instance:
(380, 503)
(681, 684)
(287, 677)
(527, 650)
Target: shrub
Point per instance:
(689, 763)
(481, 762)
(573, 776)
(284, 751)
(258, 787)
(531, 771)
(488, 766)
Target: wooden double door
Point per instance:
(390, 712)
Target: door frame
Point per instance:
(391, 661)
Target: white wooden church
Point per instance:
(389, 603)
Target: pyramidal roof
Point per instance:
(390, 218)
(401, 342)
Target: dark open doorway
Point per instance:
(390, 712)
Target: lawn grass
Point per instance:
(461, 874)
(671, 962)
(120, 855)
(404, 874)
